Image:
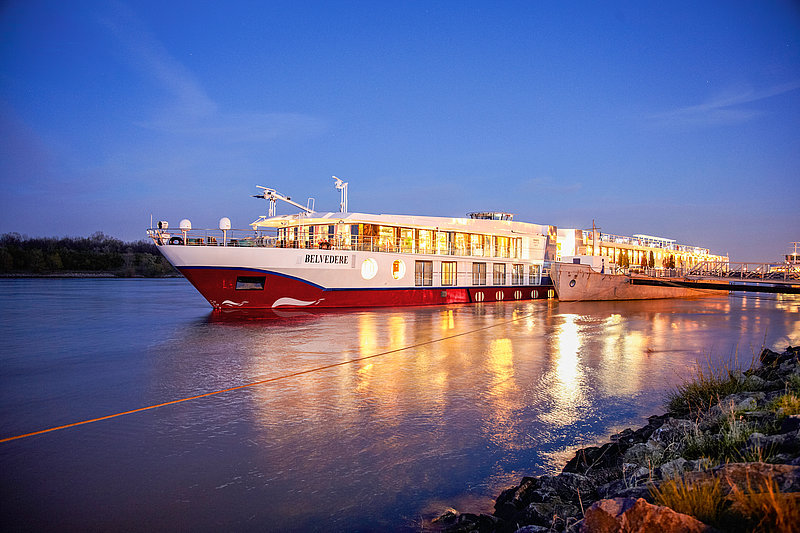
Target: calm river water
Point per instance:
(458, 403)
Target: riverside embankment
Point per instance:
(726, 456)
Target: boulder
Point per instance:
(783, 443)
(645, 454)
(637, 516)
(768, 357)
(674, 468)
(787, 477)
(790, 423)
(607, 455)
(555, 514)
(674, 430)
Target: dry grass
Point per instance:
(788, 404)
(762, 507)
(703, 500)
(708, 384)
(765, 507)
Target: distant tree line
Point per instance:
(97, 254)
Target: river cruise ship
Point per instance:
(343, 259)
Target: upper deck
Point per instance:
(466, 237)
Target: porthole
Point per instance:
(498, 295)
(398, 269)
(572, 283)
(517, 295)
(369, 268)
(479, 296)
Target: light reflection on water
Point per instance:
(459, 402)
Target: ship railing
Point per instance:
(270, 239)
(211, 237)
(664, 244)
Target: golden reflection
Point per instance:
(568, 343)
(501, 423)
(565, 383)
(447, 320)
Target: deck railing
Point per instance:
(269, 239)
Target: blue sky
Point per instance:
(677, 119)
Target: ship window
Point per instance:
(423, 273)
(499, 273)
(250, 283)
(533, 274)
(425, 245)
(517, 274)
(479, 273)
(448, 272)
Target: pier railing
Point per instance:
(722, 270)
(750, 271)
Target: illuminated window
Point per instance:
(501, 247)
(517, 274)
(425, 240)
(386, 238)
(441, 243)
(499, 273)
(406, 240)
(533, 274)
(479, 273)
(398, 269)
(448, 272)
(461, 247)
(369, 268)
(423, 273)
(476, 243)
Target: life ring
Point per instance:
(176, 240)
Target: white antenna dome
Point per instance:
(224, 223)
(186, 224)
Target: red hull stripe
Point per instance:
(218, 286)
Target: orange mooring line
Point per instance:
(254, 383)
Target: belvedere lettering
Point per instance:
(327, 259)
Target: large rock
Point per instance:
(626, 515)
(783, 443)
(673, 431)
(554, 513)
(787, 477)
(529, 500)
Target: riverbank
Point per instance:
(96, 256)
(726, 456)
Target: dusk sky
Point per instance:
(675, 119)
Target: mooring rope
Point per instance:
(264, 381)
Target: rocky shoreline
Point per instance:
(725, 457)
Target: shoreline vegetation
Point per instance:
(725, 457)
(96, 256)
